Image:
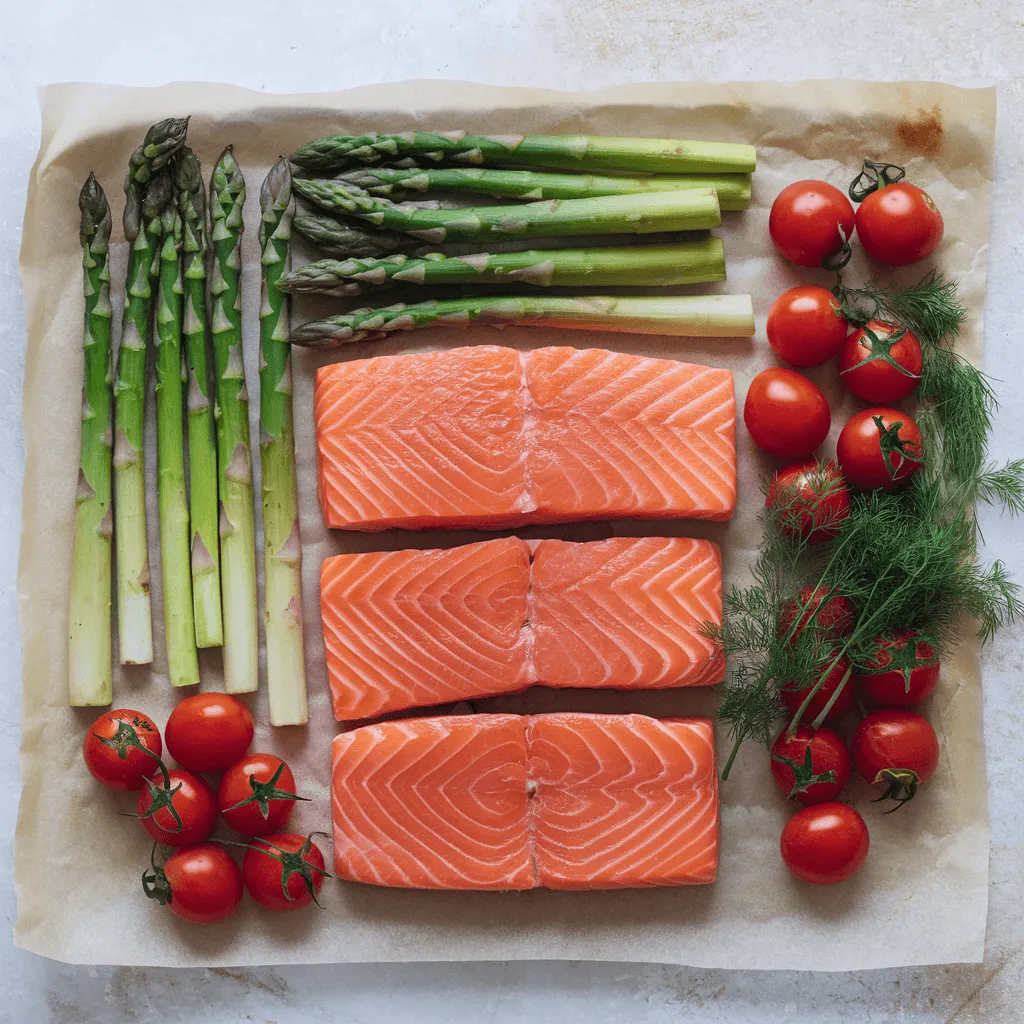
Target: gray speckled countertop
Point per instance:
(562, 44)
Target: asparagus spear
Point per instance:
(630, 214)
(179, 621)
(234, 462)
(575, 152)
(282, 547)
(89, 652)
(147, 192)
(695, 316)
(650, 265)
(202, 455)
(343, 240)
(733, 189)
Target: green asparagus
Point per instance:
(341, 240)
(650, 265)
(234, 461)
(147, 192)
(692, 210)
(282, 547)
(176, 577)
(202, 455)
(574, 152)
(89, 652)
(733, 189)
(695, 316)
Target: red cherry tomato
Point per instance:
(192, 799)
(805, 221)
(838, 678)
(881, 363)
(897, 749)
(122, 749)
(786, 414)
(810, 500)
(200, 883)
(209, 731)
(825, 844)
(257, 794)
(831, 613)
(904, 670)
(899, 224)
(283, 871)
(879, 447)
(811, 767)
(804, 326)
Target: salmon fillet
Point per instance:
(409, 629)
(565, 801)
(490, 437)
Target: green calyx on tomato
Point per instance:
(901, 785)
(162, 797)
(892, 444)
(904, 654)
(126, 739)
(874, 175)
(293, 863)
(804, 775)
(264, 792)
(155, 883)
(881, 346)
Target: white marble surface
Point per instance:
(301, 46)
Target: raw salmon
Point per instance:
(490, 437)
(413, 628)
(566, 801)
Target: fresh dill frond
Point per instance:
(1003, 486)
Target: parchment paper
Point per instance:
(922, 896)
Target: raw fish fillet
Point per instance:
(490, 437)
(565, 801)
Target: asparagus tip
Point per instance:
(277, 186)
(96, 221)
(164, 139)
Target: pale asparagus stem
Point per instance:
(202, 455)
(733, 189)
(573, 152)
(175, 571)
(89, 648)
(687, 316)
(648, 266)
(234, 461)
(691, 210)
(147, 192)
(282, 547)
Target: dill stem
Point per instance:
(732, 755)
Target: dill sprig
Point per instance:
(905, 560)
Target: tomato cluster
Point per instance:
(206, 734)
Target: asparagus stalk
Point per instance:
(691, 210)
(342, 240)
(575, 152)
(202, 455)
(179, 621)
(282, 547)
(650, 265)
(694, 316)
(234, 461)
(147, 192)
(733, 189)
(89, 652)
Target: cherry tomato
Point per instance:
(897, 749)
(838, 678)
(831, 613)
(192, 799)
(804, 326)
(879, 447)
(805, 221)
(122, 749)
(199, 883)
(903, 671)
(810, 500)
(824, 844)
(257, 794)
(786, 414)
(209, 731)
(880, 363)
(284, 871)
(811, 767)
(899, 224)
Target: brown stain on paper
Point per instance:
(924, 133)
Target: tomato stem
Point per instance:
(874, 176)
(264, 792)
(155, 883)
